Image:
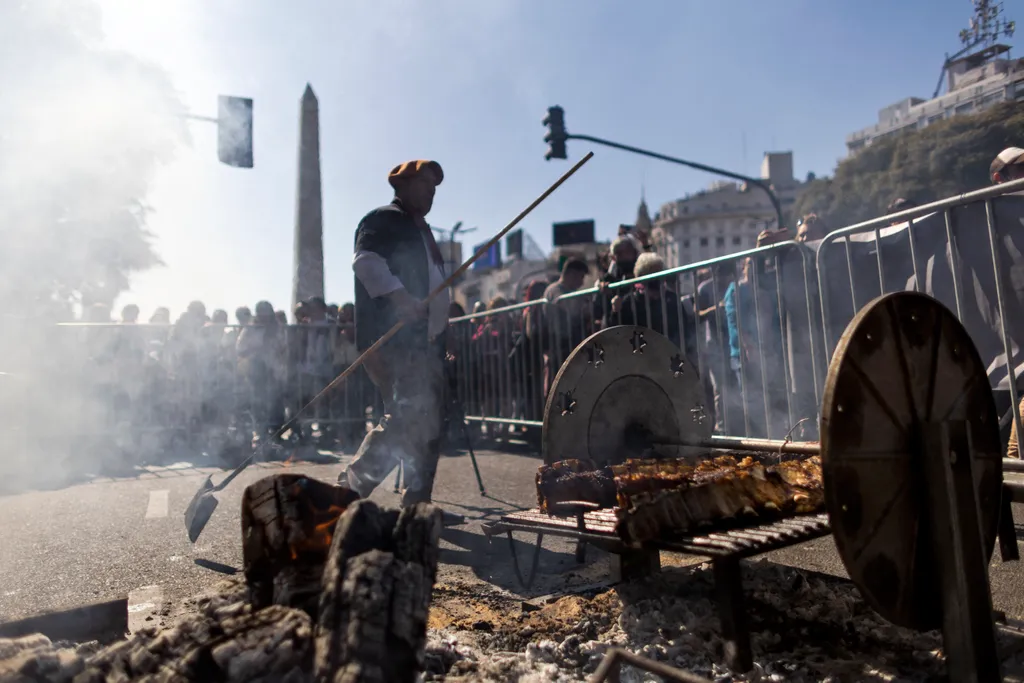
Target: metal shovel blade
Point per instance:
(200, 509)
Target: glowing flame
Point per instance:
(323, 532)
(290, 460)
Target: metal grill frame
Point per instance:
(725, 548)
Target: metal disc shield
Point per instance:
(903, 360)
(618, 389)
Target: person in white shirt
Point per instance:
(397, 264)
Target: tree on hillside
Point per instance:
(82, 131)
(946, 158)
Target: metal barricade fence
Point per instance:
(508, 357)
(966, 251)
(765, 345)
(153, 387)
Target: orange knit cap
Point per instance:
(411, 168)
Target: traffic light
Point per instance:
(234, 131)
(555, 122)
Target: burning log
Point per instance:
(288, 521)
(363, 573)
(378, 583)
(353, 582)
(231, 644)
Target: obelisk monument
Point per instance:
(308, 278)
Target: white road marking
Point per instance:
(157, 504)
(144, 603)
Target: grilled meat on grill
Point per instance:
(712, 496)
(571, 480)
(581, 480)
(661, 498)
(636, 477)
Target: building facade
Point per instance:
(509, 281)
(973, 84)
(726, 217)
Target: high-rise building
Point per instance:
(974, 81)
(724, 218)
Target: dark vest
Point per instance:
(392, 233)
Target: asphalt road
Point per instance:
(107, 538)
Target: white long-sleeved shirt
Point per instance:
(373, 272)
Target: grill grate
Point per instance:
(742, 541)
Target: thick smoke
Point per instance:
(83, 130)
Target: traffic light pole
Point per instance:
(199, 117)
(692, 164)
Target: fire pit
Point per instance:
(335, 589)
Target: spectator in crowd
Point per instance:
(347, 314)
(156, 337)
(161, 316)
(130, 314)
(491, 343)
(713, 339)
(900, 204)
(1007, 166)
(316, 364)
(754, 329)
(651, 303)
(213, 331)
(811, 228)
(185, 352)
(897, 205)
(218, 319)
(566, 322)
(97, 313)
(261, 347)
(243, 316)
(526, 356)
(282, 317)
(624, 253)
(301, 313)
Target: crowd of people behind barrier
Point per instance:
(727, 327)
(206, 383)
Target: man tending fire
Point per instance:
(397, 263)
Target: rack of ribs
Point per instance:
(572, 480)
(616, 485)
(719, 496)
(660, 498)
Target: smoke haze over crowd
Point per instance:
(83, 130)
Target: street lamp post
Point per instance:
(557, 135)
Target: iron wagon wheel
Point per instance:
(903, 362)
(616, 391)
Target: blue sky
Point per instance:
(467, 83)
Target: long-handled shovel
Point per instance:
(201, 508)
